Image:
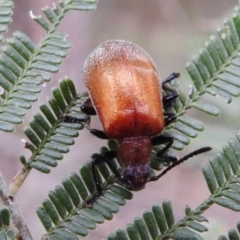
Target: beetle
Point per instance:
(125, 92)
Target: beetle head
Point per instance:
(136, 176)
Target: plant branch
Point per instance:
(16, 214)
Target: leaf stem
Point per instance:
(18, 181)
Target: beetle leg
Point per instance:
(163, 139)
(87, 107)
(169, 118)
(71, 119)
(168, 100)
(98, 133)
(106, 157)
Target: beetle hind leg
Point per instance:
(171, 77)
(71, 119)
(169, 118)
(89, 109)
(169, 100)
(86, 108)
(98, 133)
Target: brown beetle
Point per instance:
(124, 88)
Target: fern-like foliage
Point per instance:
(214, 71)
(223, 176)
(24, 66)
(5, 16)
(64, 215)
(5, 230)
(159, 223)
(48, 136)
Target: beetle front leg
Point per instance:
(163, 139)
(106, 157)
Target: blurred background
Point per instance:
(172, 32)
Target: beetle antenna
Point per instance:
(181, 160)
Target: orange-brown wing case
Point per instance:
(124, 87)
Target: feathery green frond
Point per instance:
(66, 201)
(214, 71)
(65, 215)
(24, 66)
(159, 223)
(54, 15)
(48, 136)
(6, 7)
(223, 176)
(65, 204)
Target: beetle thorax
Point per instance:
(135, 150)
